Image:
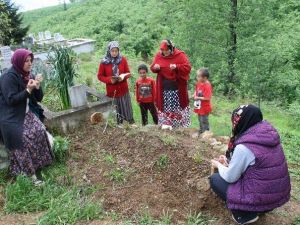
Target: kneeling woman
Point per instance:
(253, 177)
(22, 132)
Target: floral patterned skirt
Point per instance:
(172, 114)
(36, 151)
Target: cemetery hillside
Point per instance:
(106, 165)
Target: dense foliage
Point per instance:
(12, 31)
(251, 47)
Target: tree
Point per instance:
(4, 23)
(12, 31)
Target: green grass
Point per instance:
(70, 207)
(162, 161)
(198, 158)
(117, 175)
(109, 158)
(200, 219)
(60, 148)
(168, 140)
(22, 196)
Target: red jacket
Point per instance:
(206, 90)
(181, 74)
(145, 90)
(105, 75)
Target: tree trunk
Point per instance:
(232, 49)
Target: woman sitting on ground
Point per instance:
(253, 177)
(23, 134)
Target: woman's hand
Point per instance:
(156, 67)
(32, 84)
(114, 80)
(223, 160)
(214, 163)
(172, 66)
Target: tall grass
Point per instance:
(63, 61)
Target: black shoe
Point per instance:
(245, 219)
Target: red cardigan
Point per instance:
(149, 94)
(181, 74)
(105, 75)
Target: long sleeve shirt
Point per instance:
(241, 159)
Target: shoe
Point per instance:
(36, 182)
(245, 219)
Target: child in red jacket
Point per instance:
(145, 95)
(202, 97)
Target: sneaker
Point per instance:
(245, 219)
(36, 182)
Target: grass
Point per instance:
(200, 219)
(70, 207)
(117, 175)
(168, 140)
(60, 148)
(163, 161)
(109, 158)
(198, 158)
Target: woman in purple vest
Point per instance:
(253, 177)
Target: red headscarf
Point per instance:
(18, 60)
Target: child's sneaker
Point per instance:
(245, 219)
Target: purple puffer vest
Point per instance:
(265, 185)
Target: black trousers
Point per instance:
(145, 107)
(220, 186)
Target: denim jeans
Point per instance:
(220, 187)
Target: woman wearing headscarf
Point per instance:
(173, 69)
(114, 72)
(22, 132)
(253, 177)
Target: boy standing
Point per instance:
(145, 94)
(202, 97)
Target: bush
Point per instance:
(60, 148)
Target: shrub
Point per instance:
(60, 148)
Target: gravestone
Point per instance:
(47, 35)
(6, 54)
(41, 36)
(58, 37)
(78, 96)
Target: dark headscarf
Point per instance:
(108, 59)
(18, 60)
(167, 45)
(242, 119)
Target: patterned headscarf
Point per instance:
(242, 119)
(18, 60)
(167, 45)
(108, 59)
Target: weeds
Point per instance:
(109, 158)
(117, 175)
(199, 219)
(22, 196)
(60, 148)
(168, 140)
(69, 208)
(198, 158)
(162, 162)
